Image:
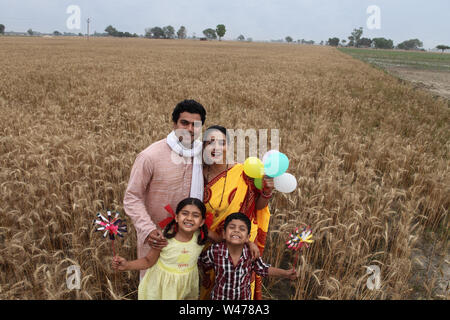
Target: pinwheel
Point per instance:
(112, 227)
(299, 240)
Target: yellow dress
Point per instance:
(175, 275)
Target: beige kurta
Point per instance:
(159, 177)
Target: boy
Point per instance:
(232, 262)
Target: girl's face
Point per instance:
(215, 148)
(189, 219)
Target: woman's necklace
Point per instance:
(216, 211)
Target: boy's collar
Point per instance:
(245, 250)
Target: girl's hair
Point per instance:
(171, 229)
(218, 128)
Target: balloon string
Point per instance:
(114, 251)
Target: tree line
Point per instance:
(354, 40)
(358, 41)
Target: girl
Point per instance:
(172, 271)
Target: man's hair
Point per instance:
(238, 216)
(190, 106)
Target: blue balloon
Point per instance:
(276, 164)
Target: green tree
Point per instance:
(443, 47)
(288, 39)
(57, 33)
(333, 42)
(2, 29)
(364, 42)
(155, 33)
(30, 32)
(169, 32)
(383, 43)
(110, 30)
(355, 36)
(412, 44)
(210, 33)
(241, 37)
(220, 30)
(182, 33)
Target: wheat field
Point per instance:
(370, 152)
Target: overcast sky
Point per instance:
(316, 20)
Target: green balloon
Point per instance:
(258, 183)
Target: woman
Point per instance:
(227, 190)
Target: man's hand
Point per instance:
(156, 240)
(254, 250)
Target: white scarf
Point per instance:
(197, 168)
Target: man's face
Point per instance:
(236, 232)
(188, 127)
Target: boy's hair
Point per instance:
(171, 229)
(190, 106)
(238, 216)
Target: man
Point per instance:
(165, 173)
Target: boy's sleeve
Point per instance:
(206, 259)
(261, 268)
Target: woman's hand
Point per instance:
(119, 263)
(254, 250)
(268, 185)
(214, 236)
(156, 240)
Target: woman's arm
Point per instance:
(266, 193)
(214, 236)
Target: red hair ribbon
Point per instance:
(167, 220)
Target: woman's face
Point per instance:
(215, 148)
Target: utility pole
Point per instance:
(88, 21)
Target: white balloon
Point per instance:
(285, 183)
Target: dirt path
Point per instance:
(435, 81)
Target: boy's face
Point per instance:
(236, 232)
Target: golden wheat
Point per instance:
(370, 154)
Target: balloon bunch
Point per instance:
(274, 165)
(112, 227)
(299, 240)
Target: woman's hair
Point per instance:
(190, 106)
(171, 229)
(219, 128)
